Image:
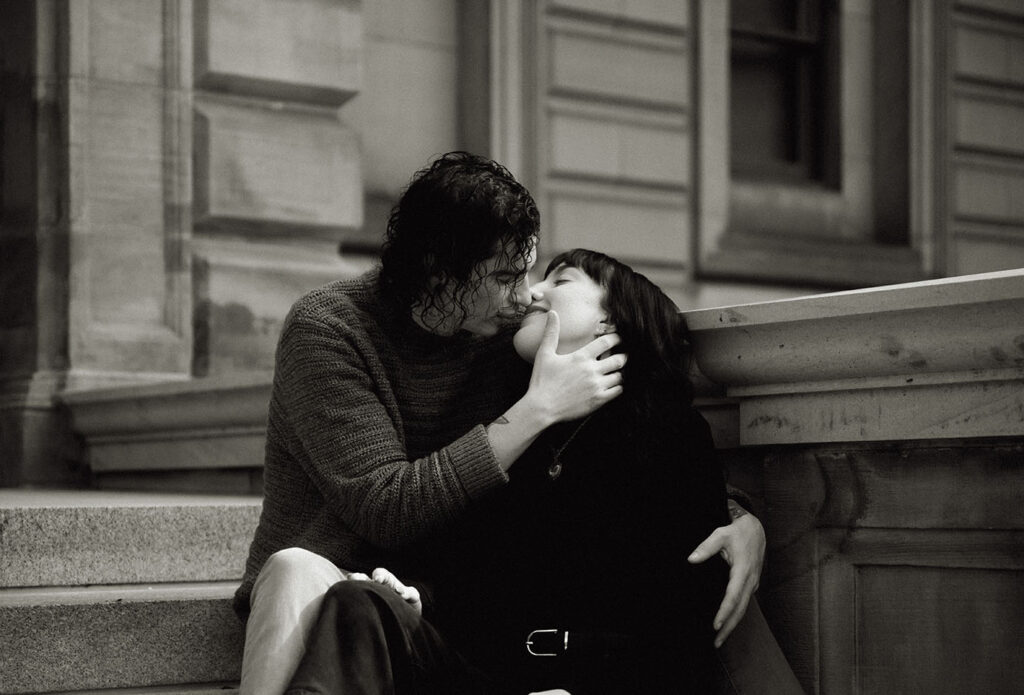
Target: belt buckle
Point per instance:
(530, 644)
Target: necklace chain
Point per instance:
(555, 469)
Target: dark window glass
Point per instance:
(783, 89)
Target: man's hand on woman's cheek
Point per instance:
(575, 384)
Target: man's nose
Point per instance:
(524, 293)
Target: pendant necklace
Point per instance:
(555, 469)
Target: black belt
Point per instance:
(557, 642)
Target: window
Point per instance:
(784, 97)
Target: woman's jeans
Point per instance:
(288, 595)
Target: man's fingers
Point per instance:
(726, 626)
(711, 546)
(600, 345)
(358, 577)
(733, 594)
(549, 341)
(613, 363)
(611, 380)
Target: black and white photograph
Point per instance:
(511, 347)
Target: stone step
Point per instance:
(70, 538)
(121, 591)
(137, 636)
(189, 689)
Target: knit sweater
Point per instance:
(375, 431)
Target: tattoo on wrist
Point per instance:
(501, 420)
(736, 511)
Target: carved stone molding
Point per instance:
(935, 359)
(216, 423)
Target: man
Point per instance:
(390, 412)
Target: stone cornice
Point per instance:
(219, 422)
(941, 358)
(216, 402)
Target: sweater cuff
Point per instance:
(475, 463)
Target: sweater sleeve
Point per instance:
(352, 450)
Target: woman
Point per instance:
(582, 553)
(591, 532)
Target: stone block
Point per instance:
(306, 50)
(124, 317)
(990, 125)
(670, 13)
(611, 62)
(269, 168)
(68, 538)
(243, 291)
(627, 223)
(979, 252)
(145, 437)
(620, 144)
(118, 637)
(124, 41)
(398, 21)
(989, 193)
(405, 115)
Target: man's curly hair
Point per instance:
(456, 213)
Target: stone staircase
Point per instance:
(125, 592)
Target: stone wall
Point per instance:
(882, 433)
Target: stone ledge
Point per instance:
(942, 358)
(225, 688)
(65, 538)
(200, 424)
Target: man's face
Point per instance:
(500, 297)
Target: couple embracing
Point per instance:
(524, 460)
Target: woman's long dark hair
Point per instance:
(654, 334)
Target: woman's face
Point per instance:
(577, 300)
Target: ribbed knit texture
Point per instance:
(375, 433)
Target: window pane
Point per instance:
(780, 85)
(764, 100)
(766, 15)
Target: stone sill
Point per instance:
(924, 360)
(200, 424)
(933, 359)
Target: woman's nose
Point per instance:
(537, 291)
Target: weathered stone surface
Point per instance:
(118, 637)
(307, 49)
(262, 166)
(243, 291)
(935, 359)
(67, 538)
(204, 435)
